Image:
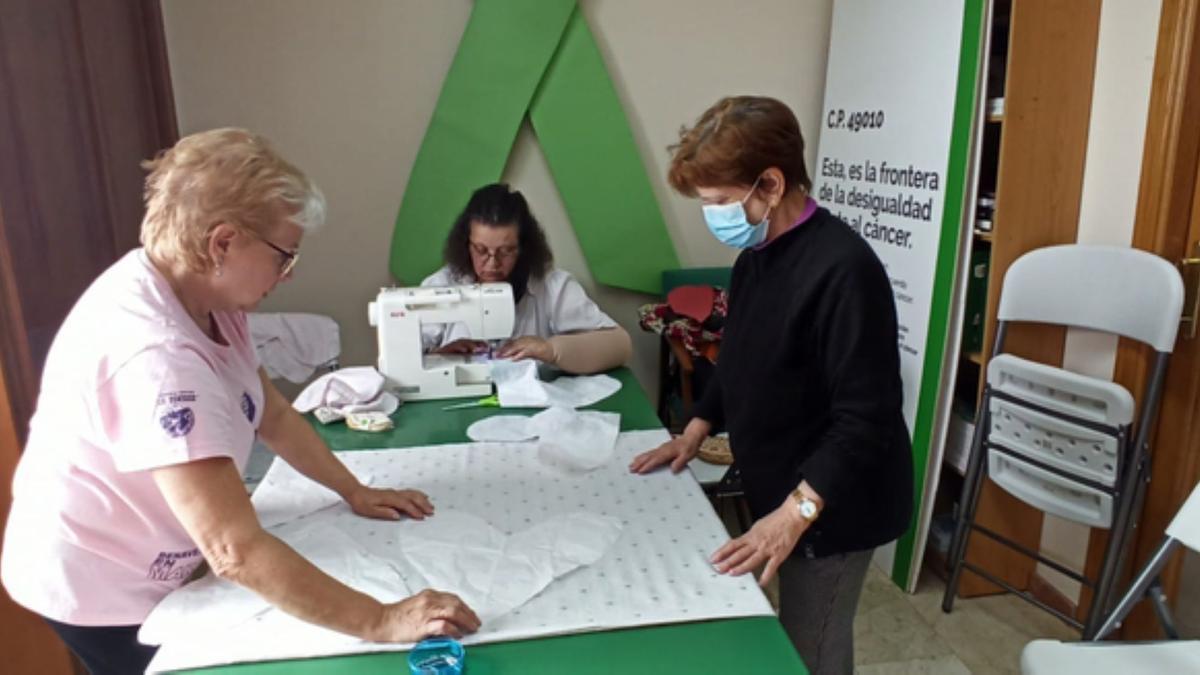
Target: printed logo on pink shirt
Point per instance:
(248, 407)
(178, 422)
(174, 565)
(176, 418)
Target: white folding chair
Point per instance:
(293, 345)
(1046, 657)
(1064, 442)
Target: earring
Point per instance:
(218, 270)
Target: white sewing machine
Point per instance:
(398, 313)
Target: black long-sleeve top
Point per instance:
(808, 385)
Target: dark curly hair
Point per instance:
(496, 205)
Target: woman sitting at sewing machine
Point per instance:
(495, 239)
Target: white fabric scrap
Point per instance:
(345, 391)
(501, 429)
(293, 345)
(574, 440)
(461, 553)
(518, 386)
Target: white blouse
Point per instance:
(552, 305)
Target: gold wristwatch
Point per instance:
(805, 505)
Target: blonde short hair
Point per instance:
(223, 175)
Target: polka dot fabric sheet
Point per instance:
(656, 572)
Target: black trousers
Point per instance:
(106, 650)
(817, 602)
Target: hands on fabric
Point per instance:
(368, 562)
(677, 452)
(295, 441)
(210, 501)
(769, 541)
(386, 504)
(517, 349)
(527, 347)
(463, 346)
(426, 614)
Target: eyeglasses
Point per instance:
(290, 258)
(502, 254)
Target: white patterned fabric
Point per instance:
(656, 572)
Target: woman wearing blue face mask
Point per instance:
(808, 381)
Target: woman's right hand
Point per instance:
(426, 614)
(677, 452)
(462, 346)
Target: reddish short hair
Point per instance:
(734, 141)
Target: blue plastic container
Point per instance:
(437, 656)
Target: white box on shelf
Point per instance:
(958, 443)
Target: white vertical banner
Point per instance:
(892, 165)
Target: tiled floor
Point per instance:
(900, 634)
(897, 633)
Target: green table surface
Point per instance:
(425, 423)
(754, 645)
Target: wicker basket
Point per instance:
(715, 450)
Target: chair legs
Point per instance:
(1114, 551)
(1145, 580)
(1132, 489)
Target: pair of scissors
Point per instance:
(492, 401)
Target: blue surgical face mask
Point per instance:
(729, 224)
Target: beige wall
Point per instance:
(346, 89)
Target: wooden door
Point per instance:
(84, 96)
(27, 644)
(1168, 224)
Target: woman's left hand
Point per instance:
(770, 540)
(387, 504)
(527, 347)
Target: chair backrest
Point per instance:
(696, 276)
(1106, 288)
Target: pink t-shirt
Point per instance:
(131, 383)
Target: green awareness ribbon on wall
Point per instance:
(536, 57)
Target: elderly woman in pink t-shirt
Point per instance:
(151, 398)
